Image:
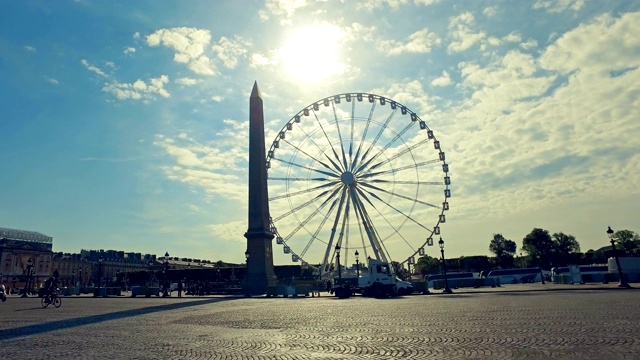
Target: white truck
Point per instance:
(378, 281)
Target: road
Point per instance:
(589, 323)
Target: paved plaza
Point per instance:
(582, 322)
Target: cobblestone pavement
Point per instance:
(587, 324)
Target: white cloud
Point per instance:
(139, 90)
(461, 33)
(444, 80)
(230, 50)
(513, 37)
(189, 45)
(490, 11)
(129, 50)
(216, 169)
(409, 94)
(52, 81)
(230, 231)
(283, 9)
(185, 81)
(556, 6)
(393, 4)
(93, 68)
(584, 47)
(217, 98)
(529, 44)
(421, 41)
(260, 60)
(30, 48)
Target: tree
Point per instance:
(627, 240)
(564, 246)
(428, 265)
(539, 245)
(504, 249)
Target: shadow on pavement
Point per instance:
(39, 328)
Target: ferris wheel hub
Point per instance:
(347, 178)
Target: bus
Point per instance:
(516, 276)
(455, 279)
(581, 273)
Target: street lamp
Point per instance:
(79, 280)
(247, 290)
(100, 259)
(446, 290)
(357, 264)
(165, 285)
(623, 282)
(338, 260)
(28, 271)
(73, 278)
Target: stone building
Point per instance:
(24, 253)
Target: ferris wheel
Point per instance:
(356, 174)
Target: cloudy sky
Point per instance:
(124, 125)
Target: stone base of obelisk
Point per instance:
(260, 273)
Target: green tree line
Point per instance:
(539, 248)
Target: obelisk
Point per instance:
(259, 236)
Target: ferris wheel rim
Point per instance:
(359, 97)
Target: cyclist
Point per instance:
(50, 286)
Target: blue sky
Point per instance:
(124, 124)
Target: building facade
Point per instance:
(24, 253)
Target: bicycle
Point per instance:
(51, 299)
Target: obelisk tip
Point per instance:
(255, 92)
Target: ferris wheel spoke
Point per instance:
(335, 119)
(310, 138)
(376, 139)
(320, 227)
(353, 121)
(401, 153)
(291, 163)
(364, 136)
(302, 192)
(396, 209)
(336, 167)
(309, 218)
(398, 169)
(406, 182)
(392, 226)
(298, 179)
(386, 147)
(329, 142)
(303, 205)
(345, 222)
(335, 225)
(399, 195)
(359, 222)
(367, 223)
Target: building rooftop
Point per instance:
(25, 235)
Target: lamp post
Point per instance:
(357, 264)
(73, 278)
(446, 290)
(165, 285)
(623, 282)
(79, 280)
(99, 275)
(28, 272)
(247, 290)
(338, 260)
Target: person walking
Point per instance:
(180, 288)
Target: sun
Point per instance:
(313, 53)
